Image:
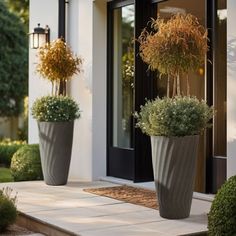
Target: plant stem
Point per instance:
(188, 86)
(62, 88)
(178, 84)
(168, 86)
(174, 87)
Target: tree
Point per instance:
(13, 63)
(21, 9)
(174, 47)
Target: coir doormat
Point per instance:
(128, 194)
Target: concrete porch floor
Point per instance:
(79, 213)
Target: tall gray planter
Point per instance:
(174, 166)
(55, 143)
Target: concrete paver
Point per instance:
(70, 208)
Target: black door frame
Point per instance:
(135, 164)
(130, 163)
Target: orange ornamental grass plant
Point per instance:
(58, 64)
(174, 47)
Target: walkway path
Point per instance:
(81, 213)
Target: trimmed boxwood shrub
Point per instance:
(222, 215)
(177, 116)
(8, 211)
(7, 149)
(26, 164)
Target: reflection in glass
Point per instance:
(123, 76)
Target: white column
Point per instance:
(80, 39)
(231, 88)
(99, 74)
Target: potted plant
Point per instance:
(174, 48)
(56, 113)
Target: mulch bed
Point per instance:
(128, 194)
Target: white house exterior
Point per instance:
(87, 34)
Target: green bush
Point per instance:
(178, 116)
(55, 108)
(7, 149)
(222, 215)
(26, 164)
(8, 211)
(5, 175)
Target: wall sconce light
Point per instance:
(39, 36)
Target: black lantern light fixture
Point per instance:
(39, 36)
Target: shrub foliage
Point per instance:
(26, 164)
(7, 149)
(222, 215)
(8, 211)
(58, 64)
(174, 47)
(178, 116)
(13, 63)
(55, 108)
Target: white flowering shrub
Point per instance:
(178, 116)
(55, 108)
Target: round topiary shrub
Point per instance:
(26, 164)
(222, 215)
(8, 211)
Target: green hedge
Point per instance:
(5, 175)
(7, 149)
(26, 164)
(222, 215)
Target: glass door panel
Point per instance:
(123, 76)
(197, 80)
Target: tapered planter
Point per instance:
(174, 166)
(55, 143)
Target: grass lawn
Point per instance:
(5, 175)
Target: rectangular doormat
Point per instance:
(138, 196)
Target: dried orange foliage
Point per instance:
(178, 45)
(57, 62)
(174, 47)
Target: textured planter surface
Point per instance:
(55, 142)
(174, 166)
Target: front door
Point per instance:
(121, 81)
(130, 84)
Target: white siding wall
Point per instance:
(86, 34)
(231, 88)
(44, 12)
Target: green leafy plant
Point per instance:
(55, 108)
(178, 116)
(174, 47)
(13, 63)
(7, 149)
(222, 215)
(26, 164)
(8, 210)
(58, 64)
(5, 175)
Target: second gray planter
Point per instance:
(55, 143)
(174, 167)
